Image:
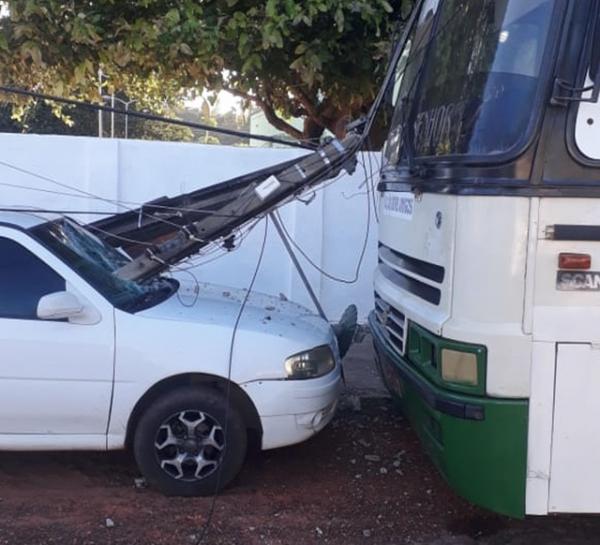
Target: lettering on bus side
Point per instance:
(578, 281)
(399, 205)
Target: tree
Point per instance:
(322, 60)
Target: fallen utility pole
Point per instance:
(169, 233)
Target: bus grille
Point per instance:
(393, 323)
(394, 266)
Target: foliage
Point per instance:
(38, 118)
(320, 59)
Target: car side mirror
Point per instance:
(60, 305)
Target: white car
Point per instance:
(92, 361)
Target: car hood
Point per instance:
(193, 331)
(211, 304)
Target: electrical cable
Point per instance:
(196, 290)
(154, 117)
(32, 210)
(320, 269)
(87, 193)
(236, 324)
(120, 202)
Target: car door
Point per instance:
(56, 376)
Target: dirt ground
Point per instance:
(364, 479)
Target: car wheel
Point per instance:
(189, 443)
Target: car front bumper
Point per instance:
(291, 411)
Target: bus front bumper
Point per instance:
(478, 443)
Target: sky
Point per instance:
(225, 103)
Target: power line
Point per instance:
(154, 117)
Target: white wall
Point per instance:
(331, 229)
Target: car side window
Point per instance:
(24, 279)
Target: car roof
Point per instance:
(25, 218)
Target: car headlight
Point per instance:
(310, 364)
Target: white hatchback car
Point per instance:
(92, 361)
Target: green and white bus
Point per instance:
(487, 291)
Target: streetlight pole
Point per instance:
(126, 104)
(112, 115)
(100, 127)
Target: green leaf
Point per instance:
(244, 44)
(253, 61)
(271, 8)
(301, 48)
(81, 72)
(339, 19)
(32, 50)
(172, 17)
(185, 49)
(386, 6)
(407, 7)
(277, 39)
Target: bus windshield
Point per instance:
(469, 81)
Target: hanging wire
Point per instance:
(320, 269)
(236, 324)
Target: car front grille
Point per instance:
(392, 322)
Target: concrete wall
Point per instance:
(42, 171)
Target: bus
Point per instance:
(486, 321)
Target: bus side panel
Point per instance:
(575, 477)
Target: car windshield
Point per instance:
(97, 263)
(469, 81)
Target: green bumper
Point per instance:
(478, 443)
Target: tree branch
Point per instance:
(270, 113)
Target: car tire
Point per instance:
(189, 442)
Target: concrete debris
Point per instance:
(354, 402)
(372, 458)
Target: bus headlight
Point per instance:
(310, 364)
(459, 367)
